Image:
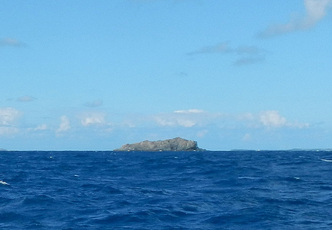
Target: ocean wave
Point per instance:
(216, 190)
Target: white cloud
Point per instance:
(272, 119)
(315, 11)
(174, 121)
(184, 118)
(64, 124)
(93, 119)
(206, 121)
(26, 99)
(4, 131)
(194, 117)
(202, 133)
(266, 119)
(245, 54)
(247, 137)
(224, 47)
(94, 104)
(248, 61)
(189, 111)
(8, 117)
(41, 127)
(11, 42)
(249, 50)
(218, 48)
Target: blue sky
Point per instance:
(94, 75)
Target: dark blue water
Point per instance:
(166, 190)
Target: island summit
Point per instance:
(175, 144)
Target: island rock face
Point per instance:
(175, 144)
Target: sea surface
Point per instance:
(166, 190)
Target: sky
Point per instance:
(229, 74)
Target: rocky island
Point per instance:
(175, 144)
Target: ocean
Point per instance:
(166, 190)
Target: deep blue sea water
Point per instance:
(166, 190)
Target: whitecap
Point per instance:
(326, 160)
(3, 182)
(248, 178)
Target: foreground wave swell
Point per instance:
(166, 190)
